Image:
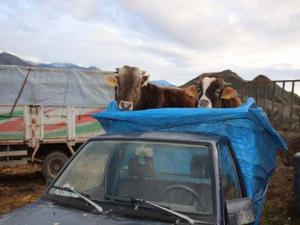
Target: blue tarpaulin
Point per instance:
(253, 139)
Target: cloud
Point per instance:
(174, 40)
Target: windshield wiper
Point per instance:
(85, 198)
(137, 202)
(180, 215)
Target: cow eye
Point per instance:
(218, 91)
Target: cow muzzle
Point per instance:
(126, 106)
(204, 103)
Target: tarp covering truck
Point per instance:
(45, 114)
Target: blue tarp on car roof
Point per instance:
(253, 138)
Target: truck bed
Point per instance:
(54, 124)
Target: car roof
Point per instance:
(165, 136)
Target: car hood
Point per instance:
(44, 212)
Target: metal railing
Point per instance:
(279, 99)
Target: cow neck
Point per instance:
(147, 93)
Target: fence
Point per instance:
(279, 98)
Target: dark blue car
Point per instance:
(144, 178)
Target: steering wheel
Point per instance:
(180, 193)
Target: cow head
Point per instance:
(128, 82)
(210, 91)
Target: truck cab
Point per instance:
(145, 178)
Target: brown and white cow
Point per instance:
(134, 92)
(215, 93)
(229, 98)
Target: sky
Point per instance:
(174, 40)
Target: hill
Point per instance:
(162, 83)
(227, 75)
(10, 59)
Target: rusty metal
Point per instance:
(265, 94)
(242, 91)
(35, 151)
(297, 80)
(292, 103)
(257, 93)
(249, 89)
(282, 102)
(299, 120)
(70, 148)
(20, 93)
(273, 98)
(276, 99)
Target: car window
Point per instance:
(230, 182)
(87, 168)
(175, 175)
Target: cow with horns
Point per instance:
(134, 92)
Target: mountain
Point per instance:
(9, 59)
(66, 66)
(162, 83)
(261, 78)
(227, 75)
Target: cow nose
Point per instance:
(124, 105)
(203, 103)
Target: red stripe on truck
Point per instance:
(18, 124)
(80, 119)
(13, 125)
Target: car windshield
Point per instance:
(177, 176)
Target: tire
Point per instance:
(53, 163)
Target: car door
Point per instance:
(230, 180)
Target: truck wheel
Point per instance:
(53, 163)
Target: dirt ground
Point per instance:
(279, 207)
(19, 186)
(24, 184)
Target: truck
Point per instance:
(45, 114)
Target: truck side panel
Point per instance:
(11, 125)
(55, 121)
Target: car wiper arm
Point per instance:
(136, 202)
(88, 200)
(180, 215)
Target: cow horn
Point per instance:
(226, 84)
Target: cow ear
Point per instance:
(192, 90)
(145, 79)
(111, 80)
(117, 70)
(228, 93)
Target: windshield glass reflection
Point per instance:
(177, 176)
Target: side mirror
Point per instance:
(240, 211)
